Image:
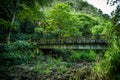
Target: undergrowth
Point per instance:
(51, 64)
(80, 56)
(23, 52)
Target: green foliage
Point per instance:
(45, 2)
(66, 18)
(49, 65)
(79, 56)
(32, 14)
(85, 23)
(24, 36)
(116, 22)
(12, 58)
(10, 8)
(23, 45)
(4, 23)
(97, 69)
(69, 24)
(16, 57)
(27, 26)
(39, 30)
(110, 64)
(80, 4)
(111, 61)
(62, 25)
(18, 45)
(102, 28)
(16, 53)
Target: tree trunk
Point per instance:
(7, 38)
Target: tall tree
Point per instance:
(62, 20)
(9, 9)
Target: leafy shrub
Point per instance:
(13, 58)
(24, 36)
(49, 65)
(16, 53)
(111, 63)
(20, 36)
(18, 45)
(23, 45)
(79, 56)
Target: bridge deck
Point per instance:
(78, 42)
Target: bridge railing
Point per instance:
(72, 40)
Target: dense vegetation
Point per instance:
(23, 20)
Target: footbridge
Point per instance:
(74, 42)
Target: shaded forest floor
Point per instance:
(47, 69)
(76, 71)
(20, 61)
